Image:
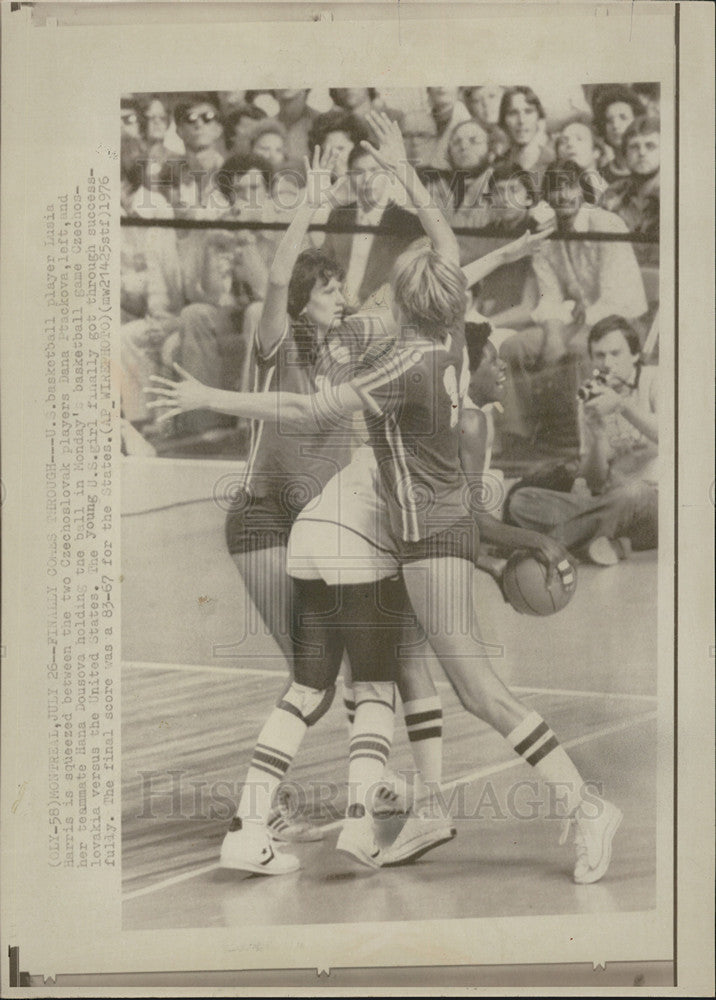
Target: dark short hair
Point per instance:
(476, 337)
(608, 325)
(188, 101)
(240, 111)
(240, 163)
(372, 94)
(504, 170)
(568, 171)
(336, 121)
(643, 125)
(310, 267)
(615, 94)
(529, 96)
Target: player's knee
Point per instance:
(309, 704)
(382, 692)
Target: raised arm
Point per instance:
(525, 246)
(391, 155)
(319, 192)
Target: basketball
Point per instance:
(524, 584)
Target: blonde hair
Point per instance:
(430, 291)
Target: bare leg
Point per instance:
(441, 593)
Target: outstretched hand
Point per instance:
(391, 148)
(321, 188)
(526, 244)
(174, 398)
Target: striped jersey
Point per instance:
(288, 461)
(413, 416)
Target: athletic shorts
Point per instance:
(346, 536)
(256, 523)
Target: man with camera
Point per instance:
(613, 505)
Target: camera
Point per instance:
(586, 392)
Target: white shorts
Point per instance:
(345, 536)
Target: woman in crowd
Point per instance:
(615, 108)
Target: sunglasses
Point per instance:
(205, 116)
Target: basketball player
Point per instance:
(414, 430)
(299, 336)
(414, 401)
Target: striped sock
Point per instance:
(533, 740)
(349, 703)
(369, 748)
(276, 747)
(424, 723)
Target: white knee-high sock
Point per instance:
(424, 723)
(535, 742)
(371, 740)
(275, 748)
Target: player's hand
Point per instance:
(321, 189)
(173, 398)
(557, 560)
(525, 245)
(391, 148)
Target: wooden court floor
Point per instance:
(200, 677)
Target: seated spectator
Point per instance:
(245, 182)
(636, 197)
(336, 133)
(130, 116)
(576, 142)
(268, 140)
(419, 134)
(447, 111)
(297, 118)
(649, 95)
(483, 104)
(190, 179)
(578, 283)
(613, 505)
(150, 289)
(360, 101)
(154, 126)
(615, 108)
(239, 124)
(522, 119)
(509, 294)
(367, 258)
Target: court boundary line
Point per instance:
(445, 786)
(265, 672)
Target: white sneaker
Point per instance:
(605, 551)
(593, 840)
(248, 848)
(285, 827)
(419, 835)
(357, 838)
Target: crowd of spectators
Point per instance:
(498, 160)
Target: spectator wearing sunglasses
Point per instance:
(190, 180)
(130, 115)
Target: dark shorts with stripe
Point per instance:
(460, 540)
(255, 523)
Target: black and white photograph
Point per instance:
(357, 497)
(390, 525)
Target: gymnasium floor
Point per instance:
(199, 679)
